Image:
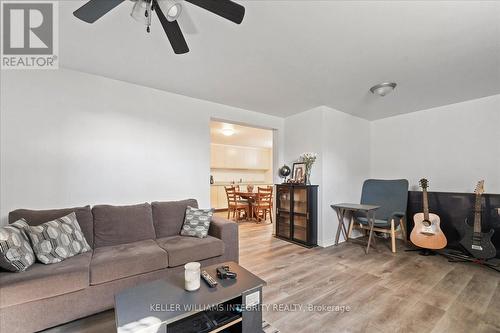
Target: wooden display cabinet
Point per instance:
(297, 213)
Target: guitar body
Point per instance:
(428, 234)
(479, 245)
(474, 241)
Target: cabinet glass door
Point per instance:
(283, 200)
(300, 200)
(300, 228)
(300, 215)
(284, 225)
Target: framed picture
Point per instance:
(299, 173)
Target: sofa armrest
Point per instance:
(227, 231)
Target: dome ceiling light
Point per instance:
(383, 89)
(227, 131)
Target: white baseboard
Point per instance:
(327, 243)
(331, 241)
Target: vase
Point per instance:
(192, 276)
(308, 176)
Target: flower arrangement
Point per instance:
(308, 159)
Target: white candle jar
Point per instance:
(192, 276)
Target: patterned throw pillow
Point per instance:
(57, 240)
(197, 222)
(16, 254)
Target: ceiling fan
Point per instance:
(167, 11)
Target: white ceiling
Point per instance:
(243, 135)
(290, 56)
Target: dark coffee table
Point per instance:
(164, 305)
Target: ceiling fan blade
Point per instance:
(186, 22)
(227, 9)
(95, 9)
(173, 31)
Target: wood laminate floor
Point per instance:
(384, 292)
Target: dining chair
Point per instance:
(392, 197)
(235, 204)
(263, 203)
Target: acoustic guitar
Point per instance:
(478, 243)
(427, 230)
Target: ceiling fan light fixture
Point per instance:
(171, 8)
(141, 12)
(168, 11)
(383, 89)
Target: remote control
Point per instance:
(209, 279)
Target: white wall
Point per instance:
(346, 164)
(69, 138)
(453, 146)
(304, 133)
(342, 144)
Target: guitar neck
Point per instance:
(426, 204)
(477, 214)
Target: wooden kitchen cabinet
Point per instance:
(221, 198)
(217, 156)
(213, 197)
(228, 159)
(218, 198)
(238, 157)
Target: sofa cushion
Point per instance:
(119, 261)
(36, 217)
(16, 254)
(168, 216)
(182, 249)
(43, 281)
(57, 240)
(197, 222)
(115, 225)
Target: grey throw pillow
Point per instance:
(57, 240)
(16, 254)
(197, 222)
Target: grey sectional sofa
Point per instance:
(131, 245)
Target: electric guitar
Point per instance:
(427, 231)
(478, 243)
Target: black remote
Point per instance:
(209, 279)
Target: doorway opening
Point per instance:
(241, 172)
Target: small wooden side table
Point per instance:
(342, 208)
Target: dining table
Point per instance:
(251, 197)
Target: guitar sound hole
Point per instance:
(426, 223)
